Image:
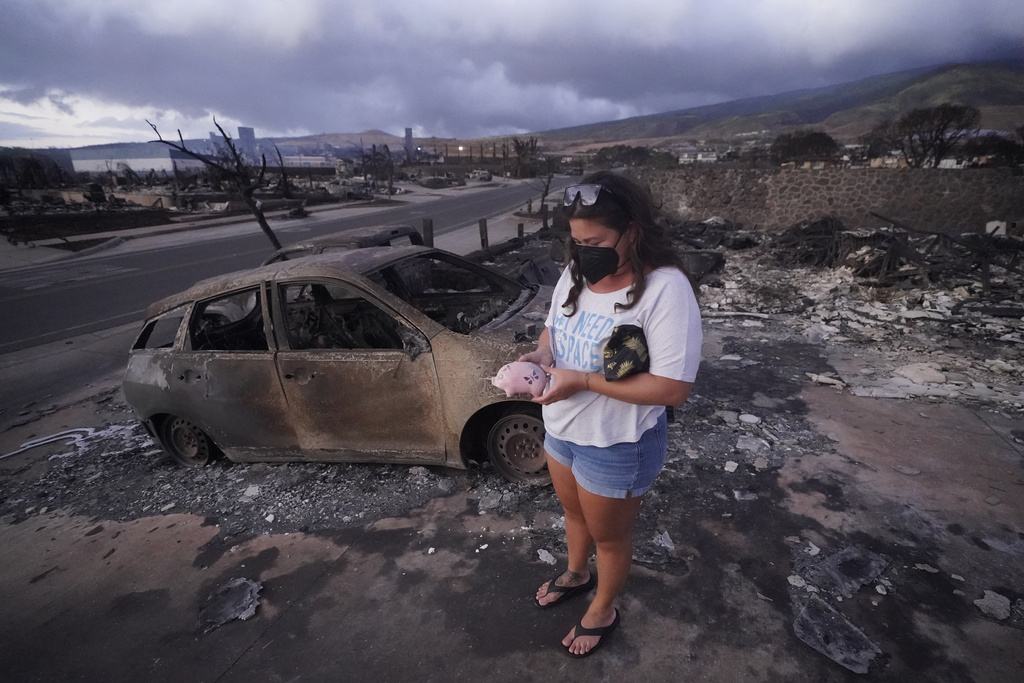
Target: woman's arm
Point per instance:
(542, 356)
(641, 389)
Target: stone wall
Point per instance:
(949, 201)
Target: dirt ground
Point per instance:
(789, 513)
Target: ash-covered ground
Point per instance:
(831, 513)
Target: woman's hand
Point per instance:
(542, 356)
(562, 384)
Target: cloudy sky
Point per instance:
(78, 72)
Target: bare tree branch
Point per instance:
(238, 176)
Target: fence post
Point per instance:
(544, 215)
(519, 231)
(483, 233)
(529, 206)
(428, 232)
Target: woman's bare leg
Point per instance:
(610, 522)
(577, 535)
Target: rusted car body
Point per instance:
(382, 354)
(358, 238)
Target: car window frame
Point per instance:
(186, 314)
(265, 311)
(356, 285)
(389, 273)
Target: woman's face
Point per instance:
(589, 233)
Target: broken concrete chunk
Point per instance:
(819, 332)
(546, 557)
(664, 541)
(922, 373)
(730, 466)
(749, 419)
(819, 625)
(728, 416)
(238, 599)
(823, 379)
(926, 568)
(743, 495)
(490, 500)
(751, 443)
(994, 605)
(845, 571)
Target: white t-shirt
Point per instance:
(670, 319)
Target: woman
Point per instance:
(606, 436)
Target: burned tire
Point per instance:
(185, 442)
(515, 446)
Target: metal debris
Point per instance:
(72, 436)
(238, 599)
(843, 572)
(823, 628)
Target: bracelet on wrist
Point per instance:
(586, 380)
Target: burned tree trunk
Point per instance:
(236, 171)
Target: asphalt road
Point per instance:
(62, 300)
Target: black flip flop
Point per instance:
(603, 632)
(566, 591)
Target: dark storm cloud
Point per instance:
(452, 68)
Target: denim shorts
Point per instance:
(622, 470)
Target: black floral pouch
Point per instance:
(626, 353)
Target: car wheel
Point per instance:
(515, 446)
(185, 442)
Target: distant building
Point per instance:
(247, 144)
(303, 161)
(141, 157)
(692, 156)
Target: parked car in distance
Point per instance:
(358, 238)
(480, 175)
(382, 354)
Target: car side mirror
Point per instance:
(415, 343)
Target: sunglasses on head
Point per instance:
(586, 194)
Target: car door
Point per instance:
(225, 378)
(359, 380)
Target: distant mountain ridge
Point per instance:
(844, 111)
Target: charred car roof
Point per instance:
(334, 264)
(370, 236)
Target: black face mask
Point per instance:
(597, 263)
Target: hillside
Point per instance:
(845, 111)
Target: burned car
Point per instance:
(382, 354)
(358, 238)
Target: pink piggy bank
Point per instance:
(521, 378)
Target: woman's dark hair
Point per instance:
(624, 201)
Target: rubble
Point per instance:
(823, 628)
(722, 479)
(237, 599)
(940, 333)
(994, 605)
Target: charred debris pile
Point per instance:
(941, 314)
